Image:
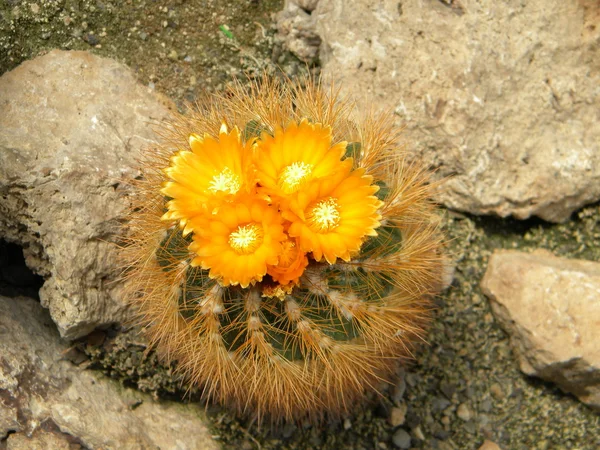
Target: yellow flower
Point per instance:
(331, 218)
(239, 242)
(291, 264)
(211, 172)
(288, 160)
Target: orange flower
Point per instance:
(331, 218)
(214, 171)
(292, 157)
(291, 264)
(239, 242)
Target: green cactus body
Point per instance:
(297, 334)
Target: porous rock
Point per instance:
(501, 96)
(296, 26)
(42, 440)
(550, 307)
(72, 125)
(47, 401)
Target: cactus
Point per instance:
(281, 250)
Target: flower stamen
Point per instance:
(293, 175)
(246, 239)
(226, 181)
(325, 215)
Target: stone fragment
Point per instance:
(489, 445)
(72, 126)
(46, 399)
(306, 5)
(550, 307)
(296, 26)
(503, 96)
(41, 440)
(401, 439)
(463, 412)
(397, 415)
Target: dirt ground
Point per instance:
(465, 386)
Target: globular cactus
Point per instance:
(281, 250)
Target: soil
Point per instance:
(463, 387)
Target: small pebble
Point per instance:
(489, 445)
(418, 433)
(496, 391)
(399, 390)
(401, 439)
(439, 404)
(91, 39)
(471, 427)
(483, 419)
(463, 412)
(486, 405)
(397, 416)
(441, 434)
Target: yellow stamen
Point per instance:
(246, 239)
(226, 181)
(293, 175)
(325, 215)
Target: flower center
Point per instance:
(226, 181)
(288, 254)
(246, 238)
(325, 215)
(293, 175)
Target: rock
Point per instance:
(296, 26)
(550, 307)
(489, 445)
(47, 401)
(463, 412)
(306, 5)
(439, 404)
(401, 439)
(41, 440)
(72, 126)
(397, 415)
(500, 95)
(399, 388)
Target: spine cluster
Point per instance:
(282, 250)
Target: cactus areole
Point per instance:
(281, 249)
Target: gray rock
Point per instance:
(296, 27)
(399, 388)
(40, 389)
(72, 126)
(550, 307)
(503, 96)
(401, 439)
